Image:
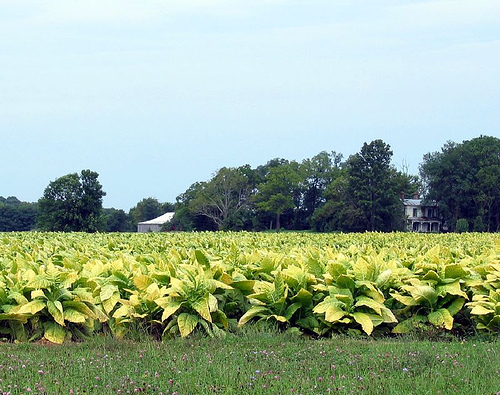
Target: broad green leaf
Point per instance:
(335, 269)
(388, 316)
(344, 281)
(123, 311)
(54, 333)
(244, 285)
(80, 307)
(18, 297)
(494, 324)
(107, 292)
(202, 259)
(38, 293)
(368, 302)
(304, 297)
(383, 278)
(32, 307)
(406, 300)
(56, 311)
(455, 306)
(213, 304)
(364, 270)
(279, 318)
(441, 318)
(187, 323)
(111, 302)
(455, 270)
(202, 307)
(408, 325)
(452, 289)
(481, 310)
(432, 275)
(22, 318)
(251, 313)
(142, 281)
(424, 293)
(72, 315)
(365, 321)
(83, 295)
(290, 311)
(331, 308)
(169, 306)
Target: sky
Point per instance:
(156, 95)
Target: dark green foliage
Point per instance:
(478, 224)
(17, 216)
(366, 193)
(462, 226)
(118, 221)
(465, 180)
(72, 203)
(148, 208)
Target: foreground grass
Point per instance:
(255, 363)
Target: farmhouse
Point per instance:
(422, 216)
(155, 224)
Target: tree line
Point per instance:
(322, 193)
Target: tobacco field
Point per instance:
(70, 286)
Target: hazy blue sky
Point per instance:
(155, 95)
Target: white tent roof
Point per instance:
(160, 220)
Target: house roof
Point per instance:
(159, 220)
(418, 202)
(412, 202)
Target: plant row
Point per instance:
(70, 286)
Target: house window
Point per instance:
(415, 212)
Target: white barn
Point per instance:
(155, 224)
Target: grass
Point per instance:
(255, 362)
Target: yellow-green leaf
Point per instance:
(187, 323)
(201, 306)
(455, 306)
(331, 308)
(56, 311)
(32, 307)
(406, 326)
(252, 312)
(365, 321)
(37, 293)
(481, 310)
(110, 302)
(107, 292)
(54, 333)
(404, 299)
(74, 316)
(441, 318)
(142, 281)
(370, 303)
(169, 306)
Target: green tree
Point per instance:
(372, 186)
(146, 209)
(225, 198)
(117, 220)
(462, 226)
(318, 172)
(17, 216)
(281, 189)
(464, 180)
(72, 203)
(366, 193)
(186, 217)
